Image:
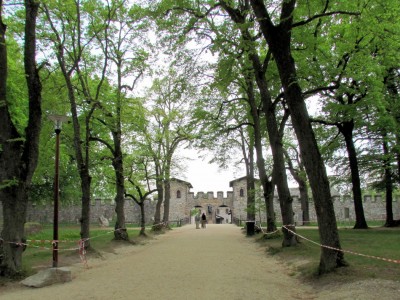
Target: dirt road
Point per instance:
(186, 263)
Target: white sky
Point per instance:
(206, 177)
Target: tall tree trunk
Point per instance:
(160, 199)
(142, 218)
(268, 187)
(347, 130)
(251, 190)
(85, 210)
(280, 177)
(18, 160)
(299, 176)
(275, 140)
(86, 181)
(120, 232)
(393, 89)
(304, 202)
(14, 200)
(170, 149)
(167, 194)
(279, 41)
(388, 185)
(81, 159)
(398, 154)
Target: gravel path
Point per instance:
(214, 263)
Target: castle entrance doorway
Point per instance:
(223, 215)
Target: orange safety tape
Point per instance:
(396, 261)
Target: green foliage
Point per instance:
(17, 94)
(345, 58)
(54, 100)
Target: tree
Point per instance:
(19, 151)
(140, 196)
(69, 47)
(123, 30)
(339, 79)
(296, 168)
(248, 156)
(268, 186)
(168, 130)
(278, 37)
(239, 15)
(351, 87)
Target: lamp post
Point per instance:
(57, 119)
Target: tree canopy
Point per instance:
(301, 89)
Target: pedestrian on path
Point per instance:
(197, 220)
(203, 221)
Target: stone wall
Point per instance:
(344, 209)
(233, 205)
(374, 207)
(71, 213)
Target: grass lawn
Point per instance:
(39, 253)
(379, 242)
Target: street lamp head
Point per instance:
(58, 120)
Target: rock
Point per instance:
(104, 221)
(48, 277)
(32, 228)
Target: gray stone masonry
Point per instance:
(217, 209)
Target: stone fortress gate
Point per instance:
(219, 210)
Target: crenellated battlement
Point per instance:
(210, 196)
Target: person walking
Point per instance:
(203, 221)
(197, 220)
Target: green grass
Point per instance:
(39, 254)
(340, 223)
(377, 242)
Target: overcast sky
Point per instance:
(206, 177)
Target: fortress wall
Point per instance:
(374, 209)
(374, 205)
(183, 201)
(72, 213)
